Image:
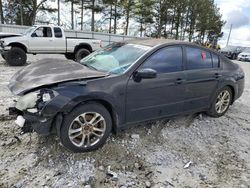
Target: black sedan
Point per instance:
(120, 85)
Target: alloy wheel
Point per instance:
(222, 101)
(87, 129)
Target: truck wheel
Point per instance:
(70, 56)
(86, 128)
(81, 53)
(16, 57)
(3, 56)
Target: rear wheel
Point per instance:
(70, 56)
(16, 57)
(221, 102)
(81, 53)
(86, 128)
(3, 56)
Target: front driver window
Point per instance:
(42, 32)
(168, 59)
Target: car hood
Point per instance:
(47, 72)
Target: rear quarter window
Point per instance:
(58, 32)
(198, 58)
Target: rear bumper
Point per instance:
(41, 125)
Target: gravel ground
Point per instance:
(187, 151)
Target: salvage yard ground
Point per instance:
(190, 151)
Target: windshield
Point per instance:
(29, 30)
(115, 58)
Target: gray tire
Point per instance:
(221, 102)
(81, 53)
(86, 128)
(70, 56)
(16, 57)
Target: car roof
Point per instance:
(154, 42)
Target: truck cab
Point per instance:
(46, 39)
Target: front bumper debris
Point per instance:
(32, 122)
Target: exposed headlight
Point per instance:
(30, 100)
(27, 101)
(47, 95)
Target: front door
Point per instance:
(161, 96)
(42, 40)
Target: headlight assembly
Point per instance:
(35, 99)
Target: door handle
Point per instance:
(217, 75)
(179, 81)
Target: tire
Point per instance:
(75, 120)
(3, 56)
(70, 56)
(234, 56)
(81, 53)
(16, 57)
(214, 108)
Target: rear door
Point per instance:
(202, 74)
(41, 40)
(161, 96)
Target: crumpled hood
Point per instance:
(47, 72)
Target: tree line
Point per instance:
(177, 19)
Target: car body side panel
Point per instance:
(151, 98)
(200, 85)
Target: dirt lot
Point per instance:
(150, 155)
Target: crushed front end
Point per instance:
(29, 111)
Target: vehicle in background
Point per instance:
(44, 39)
(231, 52)
(120, 85)
(245, 55)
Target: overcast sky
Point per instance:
(237, 13)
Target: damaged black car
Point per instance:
(122, 84)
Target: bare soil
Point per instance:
(187, 151)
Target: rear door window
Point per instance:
(198, 58)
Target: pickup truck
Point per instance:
(44, 39)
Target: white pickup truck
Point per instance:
(44, 39)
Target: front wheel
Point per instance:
(86, 128)
(16, 57)
(221, 102)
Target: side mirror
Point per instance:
(33, 35)
(145, 74)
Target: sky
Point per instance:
(237, 13)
